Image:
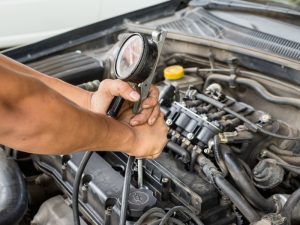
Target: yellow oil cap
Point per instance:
(175, 72)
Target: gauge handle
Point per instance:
(115, 106)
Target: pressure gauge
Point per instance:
(135, 58)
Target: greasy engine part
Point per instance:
(228, 160)
(179, 177)
(13, 191)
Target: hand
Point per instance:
(108, 89)
(148, 141)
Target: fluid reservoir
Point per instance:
(174, 75)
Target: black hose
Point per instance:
(185, 210)
(238, 200)
(290, 205)
(13, 191)
(219, 157)
(148, 213)
(294, 160)
(171, 220)
(242, 180)
(126, 189)
(254, 127)
(282, 152)
(281, 162)
(76, 186)
(260, 89)
(212, 173)
(179, 150)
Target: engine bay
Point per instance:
(232, 155)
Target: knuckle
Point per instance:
(105, 82)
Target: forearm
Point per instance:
(73, 93)
(36, 119)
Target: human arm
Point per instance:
(95, 101)
(37, 119)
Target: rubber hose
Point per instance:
(254, 127)
(281, 162)
(171, 220)
(148, 213)
(13, 191)
(238, 200)
(242, 180)
(179, 150)
(290, 205)
(260, 89)
(282, 152)
(218, 156)
(185, 210)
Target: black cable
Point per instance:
(126, 189)
(287, 210)
(185, 210)
(253, 126)
(171, 220)
(76, 186)
(148, 213)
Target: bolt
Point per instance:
(207, 151)
(165, 180)
(190, 136)
(169, 122)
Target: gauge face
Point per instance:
(129, 56)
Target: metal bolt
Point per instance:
(165, 180)
(207, 151)
(169, 122)
(190, 136)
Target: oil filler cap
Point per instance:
(139, 201)
(174, 72)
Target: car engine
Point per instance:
(232, 155)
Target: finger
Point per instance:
(152, 99)
(149, 102)
(154, 115)
(142, 117)
(112, 88)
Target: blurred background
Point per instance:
(26, 21)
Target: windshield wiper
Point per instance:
(244, 6)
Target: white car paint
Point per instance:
(26, 21)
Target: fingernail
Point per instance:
(146, 106)
(134, 95)
(133, 123)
